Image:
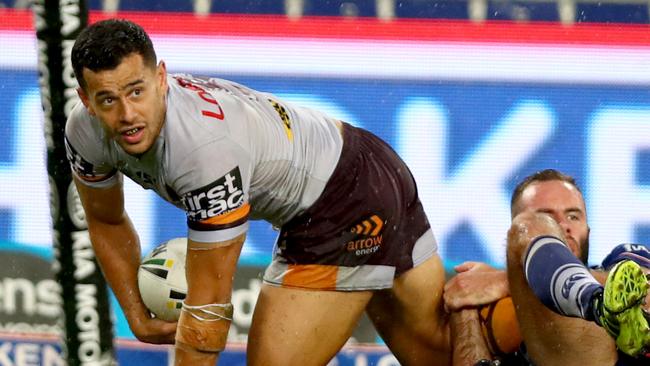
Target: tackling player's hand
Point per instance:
(475, 284)
(154, 331)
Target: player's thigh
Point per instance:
(410, 316)
(302, 327)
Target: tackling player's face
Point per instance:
(129, 100)
(565, 204)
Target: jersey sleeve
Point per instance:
(639, 253)
(86, 151)
(218, 210)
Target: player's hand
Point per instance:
(154, 331)
(474, 266)
(475, 284)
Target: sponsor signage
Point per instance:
(33, 350)
(29, 295)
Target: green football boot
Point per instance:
(621, 312)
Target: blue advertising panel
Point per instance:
(476, 125)
(45, 351)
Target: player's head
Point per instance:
(556, 194)
(103, 46)
(120, 82)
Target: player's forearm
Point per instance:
(467, 338)
(207, 313)
(117, 249)
(210, 272)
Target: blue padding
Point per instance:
(522, 11)
(362, 8)
(158, 5)
(612, 13)
(248, 7)
(447, 9)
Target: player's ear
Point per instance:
(161, 74)
(85, 100)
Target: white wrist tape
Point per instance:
(204, 327)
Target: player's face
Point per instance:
(566, 205)
(129, 100)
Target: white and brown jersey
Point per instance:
(226, 153)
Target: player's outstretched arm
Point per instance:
(207, 310)
(117, 249)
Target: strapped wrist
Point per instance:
(204, 327)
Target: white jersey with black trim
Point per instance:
(225, 152)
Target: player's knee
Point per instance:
(527, 226)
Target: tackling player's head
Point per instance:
(115, 64)
(556, 194)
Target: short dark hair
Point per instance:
(104, 44)
(540, 176)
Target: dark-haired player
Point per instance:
(353, 234)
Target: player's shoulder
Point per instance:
(81, 125)
(192, 133)
(637, 252)
(77, 116)
(198, 111)
(188, 89)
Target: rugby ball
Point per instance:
(500, 326)
(161, 279)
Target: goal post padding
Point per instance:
(86, 325)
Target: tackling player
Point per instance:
(353, 234)
(548, 243)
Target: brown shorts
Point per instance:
(367, 227)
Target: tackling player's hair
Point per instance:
(103, 46)
(540, 176)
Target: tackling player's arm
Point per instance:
(469, 346)
(117, 249)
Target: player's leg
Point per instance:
(550, 338)
(567, 287)
(410, 317)
(302, 327)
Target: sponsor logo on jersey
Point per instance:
(369, 236)
(221, 196)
